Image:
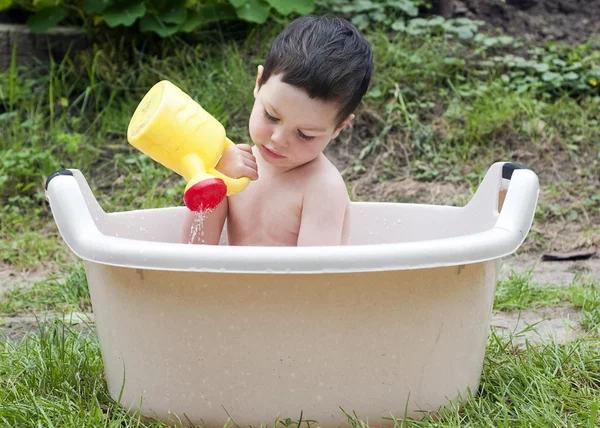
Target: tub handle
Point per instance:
(518, 208)
(71, 211)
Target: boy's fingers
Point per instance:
(249, 156)
(244, 147)
(251, 163)
(250, 172)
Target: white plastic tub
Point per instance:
(396, 321)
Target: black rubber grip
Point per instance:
(56, 174)
(508, 168)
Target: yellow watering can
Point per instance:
(171, 128)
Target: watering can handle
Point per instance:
(234, 185)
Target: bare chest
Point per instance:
(268, 212)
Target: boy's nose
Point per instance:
(278, 136)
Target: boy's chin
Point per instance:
(271, 157)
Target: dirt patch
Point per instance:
(559, 324)
(561, 236)
(569, 21)
(552, 272)
(11, 277)
(410, 191)
(15, 328)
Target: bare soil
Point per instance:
(558, 324)
(568, 21)
(11, 277)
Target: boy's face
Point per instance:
(288, 127)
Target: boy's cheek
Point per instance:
(256, 134)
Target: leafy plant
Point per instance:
(551, 69)
(463, 28)
(364, 13)
(162, 17)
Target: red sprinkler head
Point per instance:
(205, 195)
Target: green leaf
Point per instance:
(124, 13)
(237, 3)
(285, 7)
(571, 76)
(465, 34)
(408, 7)
(378, 16)
(438, 20)
(490, 41)
(541, 67)
(8, 115)
(95, 6)
(559, 62)
(465, 21)
(417, 22)
(175, 13)
(253, 11)
(46, 18)
(361, 21)
(506, 40)
(365, 5)
(5, 4)
(479, 37)
(304, 7)
(208, 14)
(398, 25)
(549, 76)
(153, 23)
(454, 61)
(374, 93)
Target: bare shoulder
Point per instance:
(322, 176)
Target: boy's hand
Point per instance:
(238, 161)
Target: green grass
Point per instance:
(518, 292)
(433, 113)
(587, 298)
(60, 293)
(54, 378)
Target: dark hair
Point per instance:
(325, 56)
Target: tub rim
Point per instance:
(77, 227)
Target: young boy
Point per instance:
(315, 75)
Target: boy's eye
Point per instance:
(304, 137)
(271, 118)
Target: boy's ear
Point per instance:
(342, 126)
(258, 77)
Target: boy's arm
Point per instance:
(212, 226)
(237, 161)
(323, 213)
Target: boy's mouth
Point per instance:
(272, 153)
